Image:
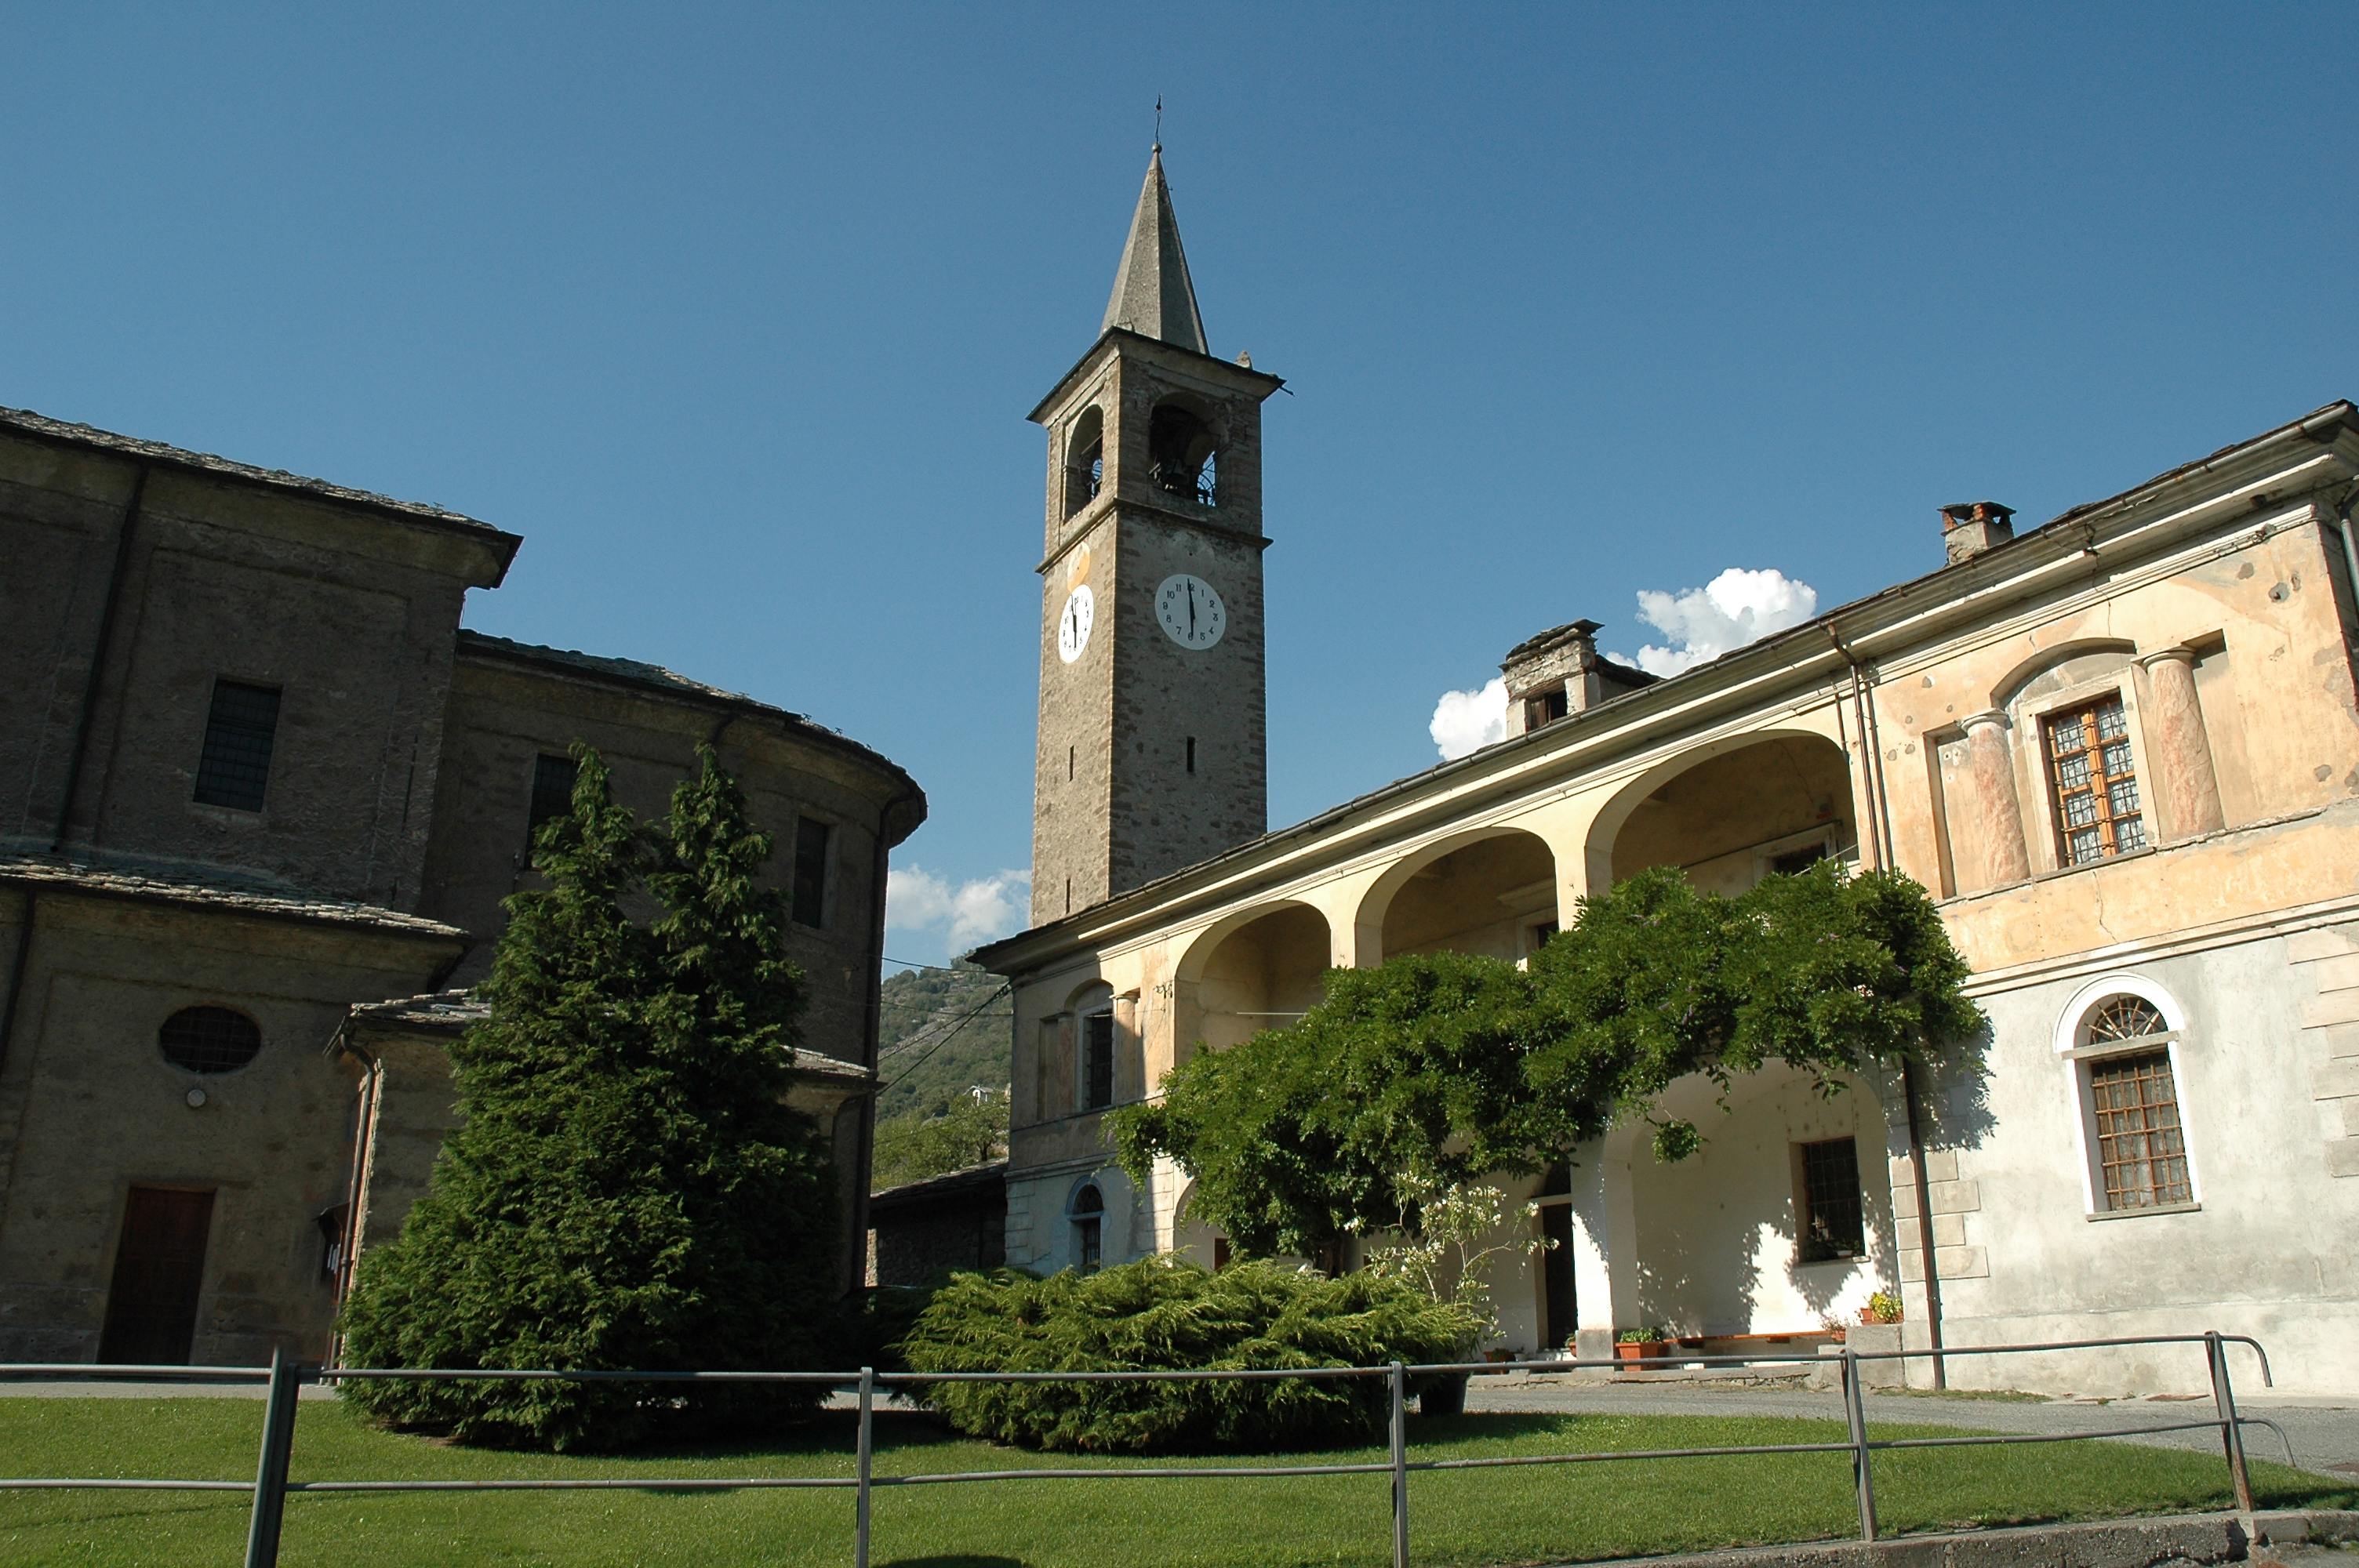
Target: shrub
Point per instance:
(1166, 1313)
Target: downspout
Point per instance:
(872, 1027)
(1924, 1225)
(1878, 828)
(105, 642)
(356, 1184)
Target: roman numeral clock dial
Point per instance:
(1192, 613)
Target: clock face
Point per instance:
(1192, 613)
(1073, 625)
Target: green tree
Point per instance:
(1431, 1070)
(628, 1188)
(972, 1129)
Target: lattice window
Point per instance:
(2095, 783)
(1089, 1214)
(2125, 1018)
(209, 1039)
(239, 731)
(2140, 1151)
(1833, 1225)
(1097, 1064)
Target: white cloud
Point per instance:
(965, 913)
(1467, 722)
(1735, 608)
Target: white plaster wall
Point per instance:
(1715, 1232)
(2270, 1253)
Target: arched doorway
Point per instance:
(1730, 817)
(1491, 893)
(1262, 971)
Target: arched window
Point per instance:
(1088, 1214)
(2122, 1041)
(1084, 461)
(1180, 456)
(209, 1039)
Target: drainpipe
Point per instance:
(1879, 805)
(872, 1030)
(105, 641)
(16, 973)
(1924, 1225)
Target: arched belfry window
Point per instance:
(2123, 1046)
(1181, 458)
(1084, 461)
(1088, 1215)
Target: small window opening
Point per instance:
(1191, 754)
(2095, 783)
(239, 732)
(1537, 938)
(1089, 1216)
(1070, 753)
(1546, 709)
(1794, 862)
(209, 1039)
(1097, 1060)
(553, 793)
(1833, 1223)
(1180, 458)
(812, 839)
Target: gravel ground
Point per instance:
(2324, 1435)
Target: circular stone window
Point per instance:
(209, 1039)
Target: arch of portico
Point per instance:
(1489, 890)
(1260, 968)
(1730, 811)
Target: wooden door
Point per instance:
(159, 1267)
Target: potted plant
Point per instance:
(1833, 1328)
(1882, 1307)
(1638, 1344)
(1444, 1257)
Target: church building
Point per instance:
(2121, 750)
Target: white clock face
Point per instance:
(1192, 613)
(1073, 625)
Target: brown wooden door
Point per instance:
(151, 1308)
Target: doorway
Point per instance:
(159, 1268)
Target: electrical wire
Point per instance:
(952, 1031)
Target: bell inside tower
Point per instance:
(1180, 455)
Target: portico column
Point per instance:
(1605, 1249)
(2186, 782)
(1997, 810)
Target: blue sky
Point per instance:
(735, 314)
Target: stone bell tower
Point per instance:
(1152, 751)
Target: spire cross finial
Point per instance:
(1159, 121)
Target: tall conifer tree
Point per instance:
(629, 1188)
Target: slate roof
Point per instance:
(1152, 294)
(24, 422)
(436, 1012)
(975, 1180)
(44, 871)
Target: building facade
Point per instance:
(256, 783)
(2120, 750)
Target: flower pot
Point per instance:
(1640, 1350)
(1445, 1394)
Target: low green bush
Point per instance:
(1166, 1313)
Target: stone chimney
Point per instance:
(1972, 526)
(1559, 672)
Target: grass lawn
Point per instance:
(1539, 1513)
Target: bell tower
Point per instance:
(1152, 743)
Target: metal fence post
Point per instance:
(867, 1447)
(1855, 1412)
(1400, 1468)
(270, 1475)
(2232, 1435)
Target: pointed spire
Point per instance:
(1152, 292)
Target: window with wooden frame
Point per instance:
(1089, 1220)
(1097, 1061)
(1833, 1221)
(2141, 1149)
(2093, 781)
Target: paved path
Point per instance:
(2324, 1435)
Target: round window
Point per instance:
(209, 1039)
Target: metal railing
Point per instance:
(271, 1487)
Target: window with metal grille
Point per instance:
(2134, 1102)
(1833, 1226)
(812, 839)
(239, 730)
(1097, 1059)
(209, 1039)
(553, 793)
(2095, 783)
(1088, 1212)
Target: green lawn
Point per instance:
(1469, 1517)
